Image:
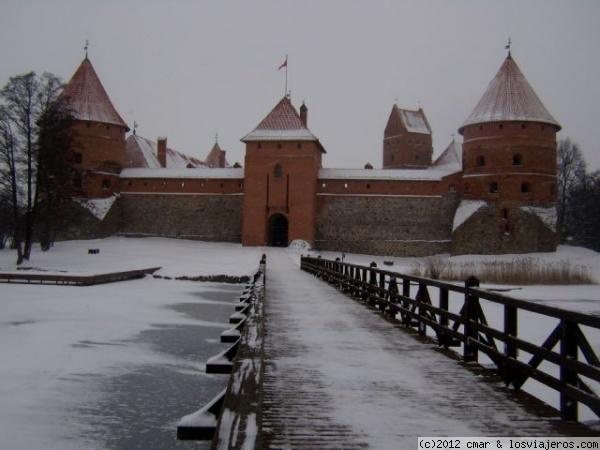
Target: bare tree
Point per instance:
(571, 172)
(23, 102)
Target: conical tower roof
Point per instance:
(88, 99)
(282, 123)
(509, 97)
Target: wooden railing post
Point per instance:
(372, 282)
(568, 377)
(510, 350)
(470, 352)
(443, 338)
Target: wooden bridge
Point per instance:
(366, 361)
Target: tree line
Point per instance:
(36, 148)
(578, 207)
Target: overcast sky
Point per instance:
(188, 69)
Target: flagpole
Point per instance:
(286, 73)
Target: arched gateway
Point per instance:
(278, 231)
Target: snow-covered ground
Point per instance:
(117, 365)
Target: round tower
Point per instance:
(100, 134)
(509, 170)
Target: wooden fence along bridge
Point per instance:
(309, 369)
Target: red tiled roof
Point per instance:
(216, 157)
(282, 123)
(88, 99)
(509, 97)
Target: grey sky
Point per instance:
(187, 69)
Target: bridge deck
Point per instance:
(338, 376)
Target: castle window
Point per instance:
(278, 171)
(105, 184)
(324, 185)
(523, 126)
(368, 186)
(345, 185)
(517, 160)
(452, 188)
(525, 187)
(501, 126)
(505, 225)
(259, 145)
(480, 161)
(164, 183)
(202, 184)
(222, 185)
(279, 145)
(299, 145)
(241, 185)
(493, 187)
(77, 158)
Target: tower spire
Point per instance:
(87, 44)
(507, 47)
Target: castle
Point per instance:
(495, 193)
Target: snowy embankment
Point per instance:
(94, 367)
(65, 348)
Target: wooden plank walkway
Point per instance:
(73, 280)
(339, 376)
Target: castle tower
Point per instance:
(407, 141)
(282, 162)
(509, 170)
(100, 134)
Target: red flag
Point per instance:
(284, 64)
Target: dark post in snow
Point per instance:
(470, 352)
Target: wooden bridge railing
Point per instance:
(458, 319)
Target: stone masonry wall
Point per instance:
(203, 217)
(485, 232)
(386, 225)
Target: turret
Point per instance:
(509, 167)
(100, 134)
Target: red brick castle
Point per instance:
(495, 193)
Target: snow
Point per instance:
(300, 134)
(59, 344)
(429, 174)
(509, 97)
(193, 173)
(99, 207)
(465, 210)
(415, 121)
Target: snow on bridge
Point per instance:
(338, 375)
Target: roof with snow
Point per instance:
(142, 153)
(414, 121)
(509, 97)
(178, 173)
(283, 123)
(429, 174)
(88, 99)
(451, 158)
